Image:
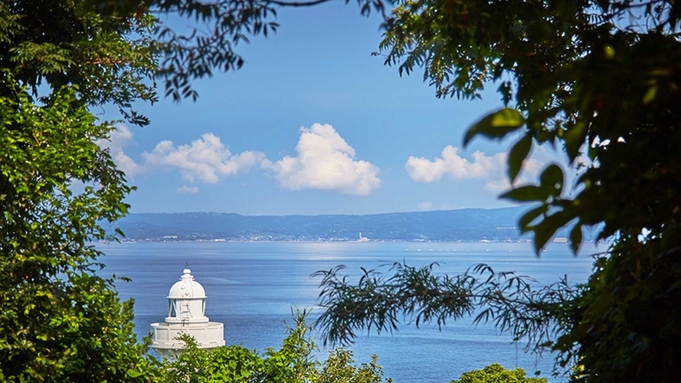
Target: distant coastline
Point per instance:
(219, 240)
(463, 225)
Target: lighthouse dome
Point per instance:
(187, 288)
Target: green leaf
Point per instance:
(593, 152)
(650, 95)
(134, 373)
(547, 228)
(576, 238)
(530, 216)
(517, 155)
(496, 125)
(552, 180)
(542, 234)
(574, 139)
(526, 193)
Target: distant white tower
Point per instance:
(186, 315)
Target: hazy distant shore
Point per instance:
(465, 225)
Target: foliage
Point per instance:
(52, 44)
(292, 363)
(339, 367)
(496, 373)
(59, 322)
(225, 24)
(511, 301)
(630, 314)
(59, 190)
(600, 80)
(224, 364)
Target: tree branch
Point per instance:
(379, 302)
(297, 3)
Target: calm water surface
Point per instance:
(252, 287)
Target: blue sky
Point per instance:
(312, 124)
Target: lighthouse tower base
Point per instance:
(207, 335)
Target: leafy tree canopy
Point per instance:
(184, 57)
(53, 44)
(496, 373)
(597, 78)
(293, 363)
(60, 322)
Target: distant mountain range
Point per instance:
(447, 225)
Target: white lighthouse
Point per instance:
(186, 315)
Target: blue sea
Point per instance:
(253, 286)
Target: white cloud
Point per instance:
(324, 161)
(451, 163)
(205, 160)
(481, 166)
(498, 182)
(188, 190)
(118, 140)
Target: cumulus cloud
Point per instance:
(498, 182)
(205, 160)
(188, 190)
(451, 163)
(120, 138)
(481, 166)
(324, 161)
